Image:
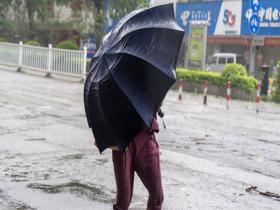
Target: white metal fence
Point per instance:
(45, 59)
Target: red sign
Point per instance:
(272, 41)
(228, 40)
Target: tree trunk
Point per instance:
(30, 6)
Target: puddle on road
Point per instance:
(197, 138)
(19, 177)
(101, 160)
(28, 116)
(79, 189)
(9, 156)
(8, 203)
(276, 160)
(35, 139)
(4, 131)
(265, 174)
(202, 143)
(267, 141)
(45, 114)
(72, 157)
(79, 115)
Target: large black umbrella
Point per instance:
(131, 74)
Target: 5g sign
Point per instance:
(229, 18)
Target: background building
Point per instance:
(229, 31)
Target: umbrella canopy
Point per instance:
(131, 74)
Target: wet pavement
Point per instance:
(209, 155)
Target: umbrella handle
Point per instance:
(164, 126)
(160, 113)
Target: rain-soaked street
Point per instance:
(209, 155)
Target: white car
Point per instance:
(219, 60)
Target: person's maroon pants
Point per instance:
(141, 156)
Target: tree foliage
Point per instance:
(67, 44)
(33, 43)
(232, 70)
(2, 39)
(34, 16)
(120, 8)
(4, 24)
(117, 9)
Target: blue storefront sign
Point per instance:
(233, 17)
(204, 11)
(268, 14)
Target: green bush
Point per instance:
(243, 82)
(276, 93)
(233, 70)
(195, 76)
(2, 39)
(67, 44)
(267, 98)
(32, 42)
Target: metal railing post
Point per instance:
(49, 61)
(20, 54)
(84, 69)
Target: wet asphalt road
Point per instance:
(209, 155)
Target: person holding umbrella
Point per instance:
(142, 157)
(129, 77)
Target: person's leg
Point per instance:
(148, 169)
(124, 175)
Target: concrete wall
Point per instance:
(217, 91)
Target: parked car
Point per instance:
(219, 60)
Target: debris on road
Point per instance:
(267, 193)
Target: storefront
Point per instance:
(229, 30)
